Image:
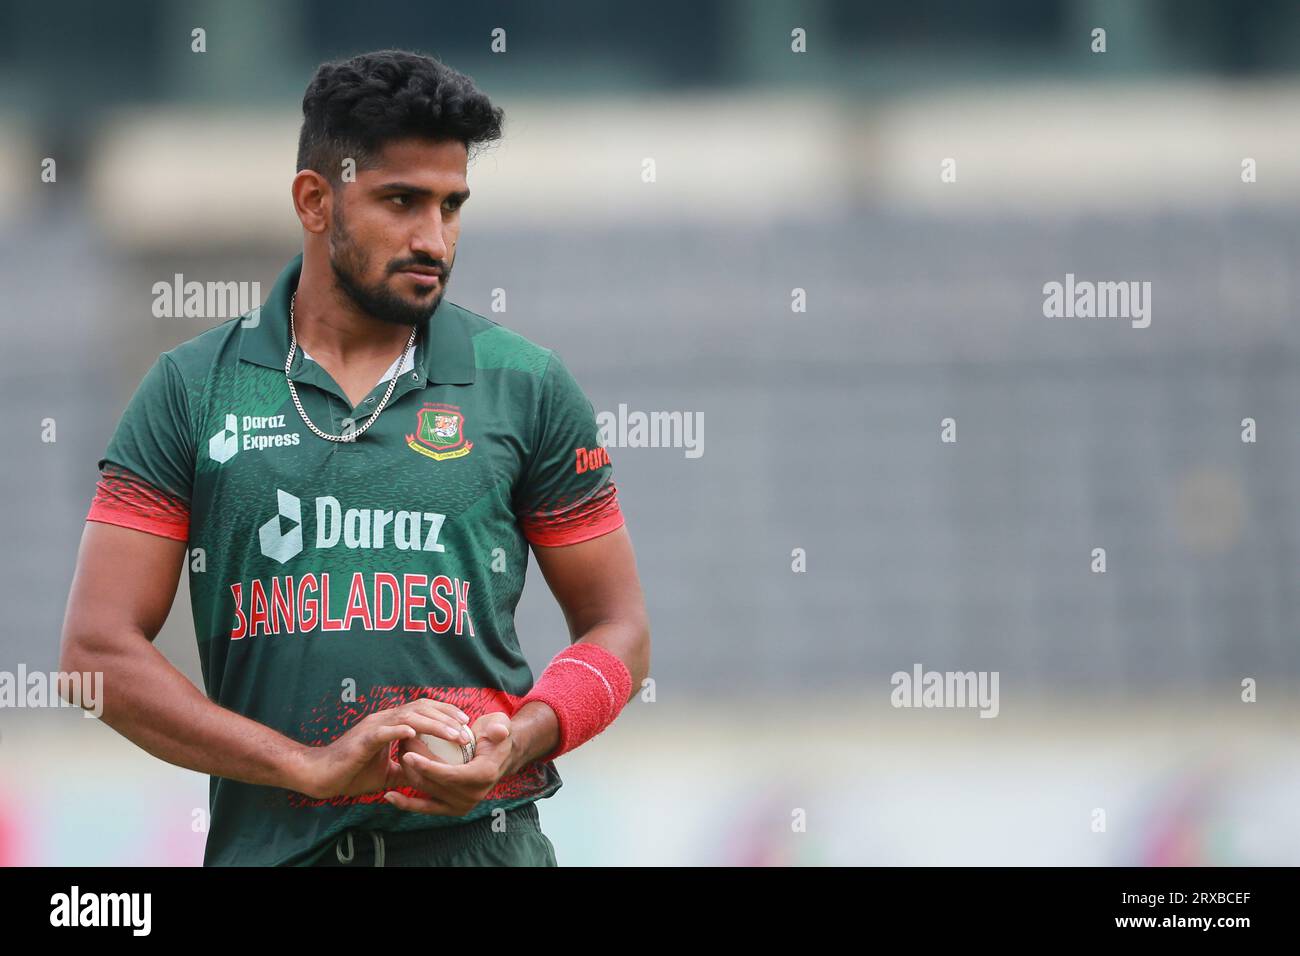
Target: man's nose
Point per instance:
(429, 241)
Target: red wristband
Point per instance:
(587, 687)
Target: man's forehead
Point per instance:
(418, 159)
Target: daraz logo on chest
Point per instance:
(352, 528)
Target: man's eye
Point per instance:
(400, 200)
(454, 204)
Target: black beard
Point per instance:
(376, 301)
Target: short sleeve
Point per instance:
(147, 472)
(567, 492)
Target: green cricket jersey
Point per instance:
(330, 580)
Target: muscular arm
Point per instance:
(596, 585)
(122, 591)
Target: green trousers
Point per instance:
(521, 843)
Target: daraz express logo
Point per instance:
(226, 443)
(281, 538)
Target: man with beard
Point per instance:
(353, 475)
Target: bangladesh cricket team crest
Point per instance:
(440, 433)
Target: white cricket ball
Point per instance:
(449, 751)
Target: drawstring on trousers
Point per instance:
(375, 836)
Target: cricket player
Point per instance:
(352, 475)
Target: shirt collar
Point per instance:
(444, 350)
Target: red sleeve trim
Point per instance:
(126, 500)
(598, 515)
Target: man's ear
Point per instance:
(313, 200)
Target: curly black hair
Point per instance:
(353, 107)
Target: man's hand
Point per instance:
(361, 762)
(454, 790)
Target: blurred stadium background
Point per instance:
(774, 171)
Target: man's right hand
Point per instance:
(360, 761)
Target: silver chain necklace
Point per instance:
(351, 436)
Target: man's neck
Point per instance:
(330, 326)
